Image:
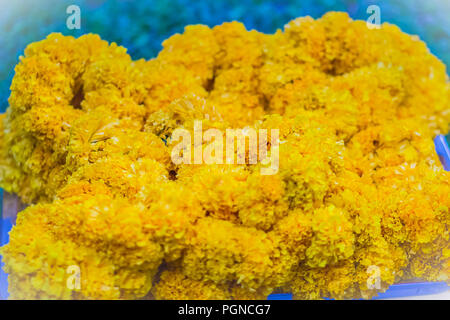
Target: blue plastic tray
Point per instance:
(442, 144)
(395, 291)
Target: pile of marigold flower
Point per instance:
(86, 141)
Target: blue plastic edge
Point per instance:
(4, 230)
(443, 150)
(401, 290)
(395, 291)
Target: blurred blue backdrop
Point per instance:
(141, 26)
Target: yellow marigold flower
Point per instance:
(359, 192)
(333, 239)
(173, 285)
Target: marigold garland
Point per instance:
(86, 140)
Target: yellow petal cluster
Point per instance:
(86, 141)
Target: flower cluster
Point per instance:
(86, 141)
